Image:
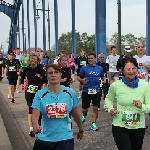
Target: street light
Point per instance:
(48, 21)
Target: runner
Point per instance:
(71, 64)
(13, 69)
(133, 101)
(18, 56)
(56, 132)
(143, 62)
(2, 67)
(34, 75)
(127, 53)
(105, 66)
(25, 60)
(66, 71)
(44, 59)
(112, 61)
(80, 61)
(90, 76)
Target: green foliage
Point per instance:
(87, 42)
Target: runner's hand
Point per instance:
(22, 86)
(84, 81)
(18, 73)
(38, 75)
(137, 103)
(113, 112)
(79, 136)
(37, 129)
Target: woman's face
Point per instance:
(33, 60)
(130, 71)
(53, 76)
(64, 61)
(140, 48)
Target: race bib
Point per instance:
(83, 63)
(92, 91)
(58, 110)
(131, 118)
(1, 62)
(32, 89)
(142, 75)
(12, 68)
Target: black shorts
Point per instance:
(12, 81)
(46, 145)
(29, 98)
(73, 69)
(87, 98)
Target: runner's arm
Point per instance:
(35, 116)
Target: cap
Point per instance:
(100, 54)
(127, 49)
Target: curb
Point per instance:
(16, 136)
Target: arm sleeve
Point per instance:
(102, 73)
(110, 97)
(146, 105)
(37, 102)
(22, 75)
(81, 73)
(43, 75)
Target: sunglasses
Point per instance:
(127, 48)
(140, 47)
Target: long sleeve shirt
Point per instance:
(129, 116)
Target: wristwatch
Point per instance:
(81, 131)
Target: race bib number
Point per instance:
(12, 68)
(142, 75)
(56, 111)
(131, 118)
(83, 63)
(32, 89)
(92, 91)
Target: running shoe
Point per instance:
(105, 108)
(83, 119)
(31, 133)
(99, 109)
(12, 100)
(94, 127)
(9, 96)
(17, 91)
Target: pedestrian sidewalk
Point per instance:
(4, 139)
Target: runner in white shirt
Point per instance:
(143, 62)
(18, 56)
(112, 61)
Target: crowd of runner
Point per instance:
(52, 103)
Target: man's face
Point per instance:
(11, 56)
(113, 51)
(91, 59)
(101, 58)
(82, 53)
(17, 51)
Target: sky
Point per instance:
(133, 14)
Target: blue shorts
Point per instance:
(45, 145)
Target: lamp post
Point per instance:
(119, 26)
(48, 21)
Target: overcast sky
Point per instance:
(133, 19)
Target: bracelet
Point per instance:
(81, 131)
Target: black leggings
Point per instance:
(128, 139)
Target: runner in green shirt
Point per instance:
(25, 60)
(133, 101)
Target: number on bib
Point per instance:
(12, 68)
(92, 91)
(131, 118)
(32, 89)
(56, 111)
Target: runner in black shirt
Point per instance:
(13, 69)
(2, 66)
(80, 61)
(105, 67)
(35, 76)
(66, 71)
